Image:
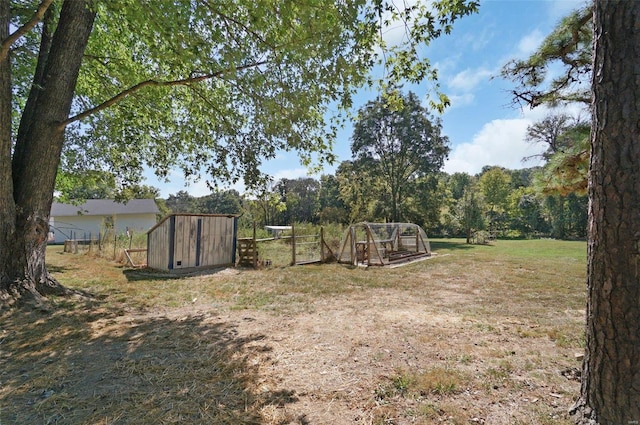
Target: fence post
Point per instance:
(322, 257)
(293, 244)
(368, 246)
(354, 254)
(254, 247)
(115, 244)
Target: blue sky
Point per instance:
(482, 125)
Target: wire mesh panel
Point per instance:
(383, 243)
(307, 249)
(274, 252)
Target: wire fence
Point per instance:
(127, 248)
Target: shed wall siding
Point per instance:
(215, 241)
(158, 246)
(198, 241)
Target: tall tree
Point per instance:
(399, 143)
(610, 390)
(220, 202)
(194, 84)
(301, 199)
(332, 208)
(30, 163)
(469, 211)
(358, 190)
(495, 185)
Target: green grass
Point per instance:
(504, 297)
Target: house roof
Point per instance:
(105, 207)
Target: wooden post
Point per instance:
(322, 257)
(293, 244)
(254, 247)
(115, 244)
(352, 237)
(368, 246)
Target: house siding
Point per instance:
(84, 226)
(88, 219)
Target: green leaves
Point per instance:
(570, 45)
(396, 139)
(215, 88)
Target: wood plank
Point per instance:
(224, 246)
(205, 246)
(193, 239)
(179, 243)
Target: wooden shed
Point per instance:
(188, 241)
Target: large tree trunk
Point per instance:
(610, 392)
(37, 152)
(7, 204)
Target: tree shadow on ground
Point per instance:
(84, 364)
(145, 274)
(60, 269)
(449, 245)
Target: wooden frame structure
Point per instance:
(381, 244)
(301, 246)
(325, 252)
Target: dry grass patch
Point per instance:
(478, 334)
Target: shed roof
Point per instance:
(158, 224)
(105, 207)
(278, 227)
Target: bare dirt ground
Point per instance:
(342, 363)
(376, 356)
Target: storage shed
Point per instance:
(187, 241)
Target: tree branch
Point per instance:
(5, 46)
(152, 83)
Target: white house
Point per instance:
(96, 215)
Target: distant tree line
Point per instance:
(503, 201)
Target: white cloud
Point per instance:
(560, 9)
(530, 42)
(291, 174)
(480, 39)
(458, 101)
(502, 142)
(499, 142)
(468, 79)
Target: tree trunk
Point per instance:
(37, 152)
(610, 391)
(7, 204)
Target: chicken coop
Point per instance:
(190, 241)
(381, 244)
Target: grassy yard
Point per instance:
(476, 334)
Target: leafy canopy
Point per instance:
(215, 88)
(399, 143)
